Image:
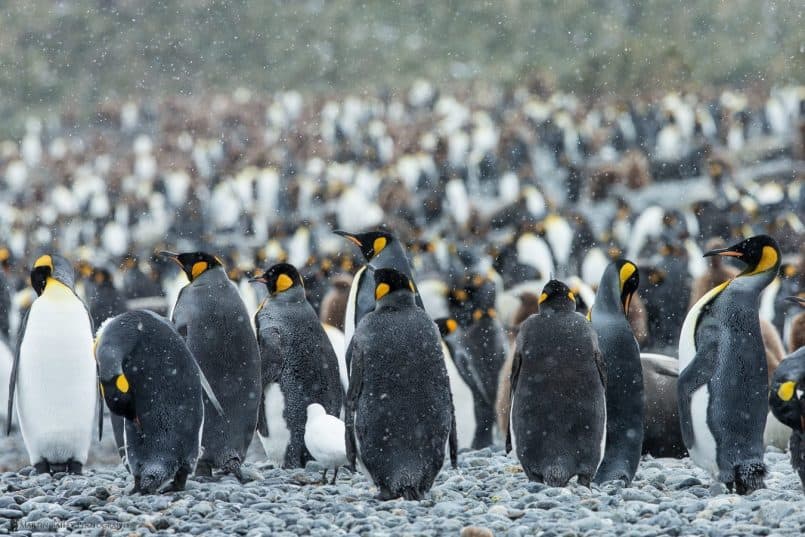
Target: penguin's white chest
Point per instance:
(703, 451)
(279, 435)
(56, 383)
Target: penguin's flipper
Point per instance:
(205, 385)
(515, 374)
(354, 391)
(453, 435)
(100, 404)
(12, 384)
(262, 420)
(693, 377)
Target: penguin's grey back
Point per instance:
(211, 316)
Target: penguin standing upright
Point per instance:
(625, 406)
(558, 411)
(381, 250)
(399, 413)
(54, 376)
(212, 318)
(150, 379)
(723, 373)
(297, 355)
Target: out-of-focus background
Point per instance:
(79, 54)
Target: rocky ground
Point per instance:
(488, 494)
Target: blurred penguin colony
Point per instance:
(377, 281)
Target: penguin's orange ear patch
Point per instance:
(543, 297)
(382, 290)
(786, 390)
(452, 325)
(284, 282)
(122, 383)
(44, 261)
(198, 269)
(379, 244)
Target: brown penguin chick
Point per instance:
(717, 273)
(334, 304)
(796, 339)
(529, 305)
(773, 343)
(638, 319)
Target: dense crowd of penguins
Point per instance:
(376, 282)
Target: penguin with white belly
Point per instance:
(54, 378)
(723, 375)
(297, 355)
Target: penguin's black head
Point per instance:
(629, 280)
(557, 296)
(112, 346)
(51, 268)
(446, 325)
(388, 281)
(371, 243)
(760, 253)
(280, 278)
(194, 264)
(787, 394)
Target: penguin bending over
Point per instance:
(787, 402)
(558, 418)
(296, 354)
(621, 353)
(399, 413)
(210, 314)
(54, 377)
(662, 436)
(723, 373)
(149, 378)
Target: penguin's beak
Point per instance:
(724, 252)
(258, 279)
(172, 256)
(349, 236)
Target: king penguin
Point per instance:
(54, 377)
(296, 355)
(381, 250)
(150, 380)
(625, 405)
(210, 314)
(399, 412)
(558, 416)
(787, 402)
(723, 376)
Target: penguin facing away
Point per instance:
(723, 372)
(103, 299)
(621, 353)
(558, 410)
(399, 413)
(54, 378)
(296, 354)
(149, 378)
(210, 314)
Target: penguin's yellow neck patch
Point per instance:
(198, 269)
(626, 272)
(768, 258)
(382, 290)
(379, 244)
(122, 383)
(44, 261)
(786, 390)
(284, 282)
(56, 289)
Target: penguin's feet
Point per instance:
(335, 476)
(179, 482)
(584, 480)
(74, 467)
(384, 495)
(203, 469)
(42, 467)
(324, 477)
